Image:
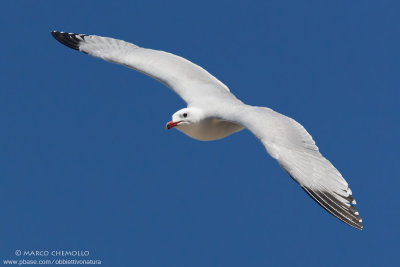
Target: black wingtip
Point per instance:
(71, 40)
(347, 214)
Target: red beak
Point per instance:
(172, 124)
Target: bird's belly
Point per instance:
(211, 129)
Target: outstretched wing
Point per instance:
(290, 144)
(191, 82)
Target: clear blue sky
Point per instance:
(87, 164)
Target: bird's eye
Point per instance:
(184, 115)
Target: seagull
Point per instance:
(213, 112)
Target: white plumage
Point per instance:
(213, 112)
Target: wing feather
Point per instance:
(191, 82)
(293, 147)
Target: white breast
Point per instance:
(210, 129)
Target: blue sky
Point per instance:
(86, 163)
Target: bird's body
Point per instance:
(209, 129)
(213, 112)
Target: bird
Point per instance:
(213, 113)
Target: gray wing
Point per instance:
(290, 144)
(191, 82)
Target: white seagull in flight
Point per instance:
(213, 112)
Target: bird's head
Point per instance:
(185, 116)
